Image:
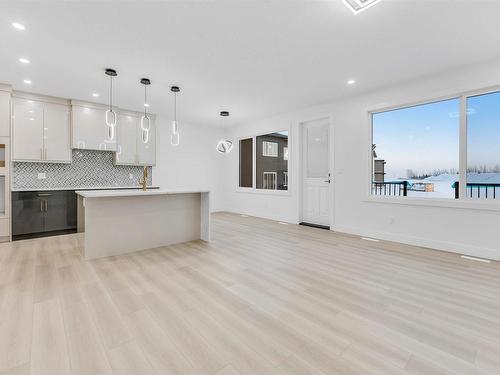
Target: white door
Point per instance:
(316, 172)
(27, 130)
(56, 133)
(126, 138)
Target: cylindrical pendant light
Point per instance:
(145, 120)
(111, 116)
(224, 146)
(175, 136)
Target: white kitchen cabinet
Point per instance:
(4, 111)
(27, 130)
(56, 133)
(126, 138)
(131, 150)
(146, 152)
(90, 131)
(40, 131)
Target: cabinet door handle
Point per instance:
(46, 205)
(41, 205)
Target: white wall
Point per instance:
(194, 164)
(458, 229)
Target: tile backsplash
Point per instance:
(88, 169)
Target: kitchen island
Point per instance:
(117, 222)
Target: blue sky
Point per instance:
(426, 137)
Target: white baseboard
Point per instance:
(449, 246)
(266, 216)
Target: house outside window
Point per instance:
(269, 180)
(270, 149)
(263, 161)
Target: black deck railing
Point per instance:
(397, 188)
(478, 190)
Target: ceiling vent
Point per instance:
(359, 5)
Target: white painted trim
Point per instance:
(470, 204)
(6, 87)
(40, 98)
(432, 99)
(271, 216)
(449, 246)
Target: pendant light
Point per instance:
(145, 120)
(175, 137)
(111, 117)
(224, 146)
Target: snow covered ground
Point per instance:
(443, 185)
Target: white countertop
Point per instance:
(86, 188)
(133, 193)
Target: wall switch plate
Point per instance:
(42, 176)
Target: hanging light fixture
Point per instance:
(175, 137)
(145, 120)
(224, 146)
(110, 114)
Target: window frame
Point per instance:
(253, 189)
(463, 201)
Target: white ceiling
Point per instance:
(254, 58)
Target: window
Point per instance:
(483, 146)
(270, 149)
(415, 150)
(274, 145)
(263, 163)
(269, 180)
(246, 163)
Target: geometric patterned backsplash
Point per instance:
(89, 169)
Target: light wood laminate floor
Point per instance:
(262, 298)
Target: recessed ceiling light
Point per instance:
(95, 95)
(28, 81)
(24, 60)
(18, 25)
(359, 5)
(351, 82)
(146, 104)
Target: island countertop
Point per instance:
(117, 222)
(133, 193)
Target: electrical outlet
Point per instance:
(42, 176)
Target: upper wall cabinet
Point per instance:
(40, 130)
(90, 131)
(4, 112)
(131, 150)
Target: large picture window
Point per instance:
(483, 146)
(269, 154)
(415, 150)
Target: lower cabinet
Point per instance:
(43, 213)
